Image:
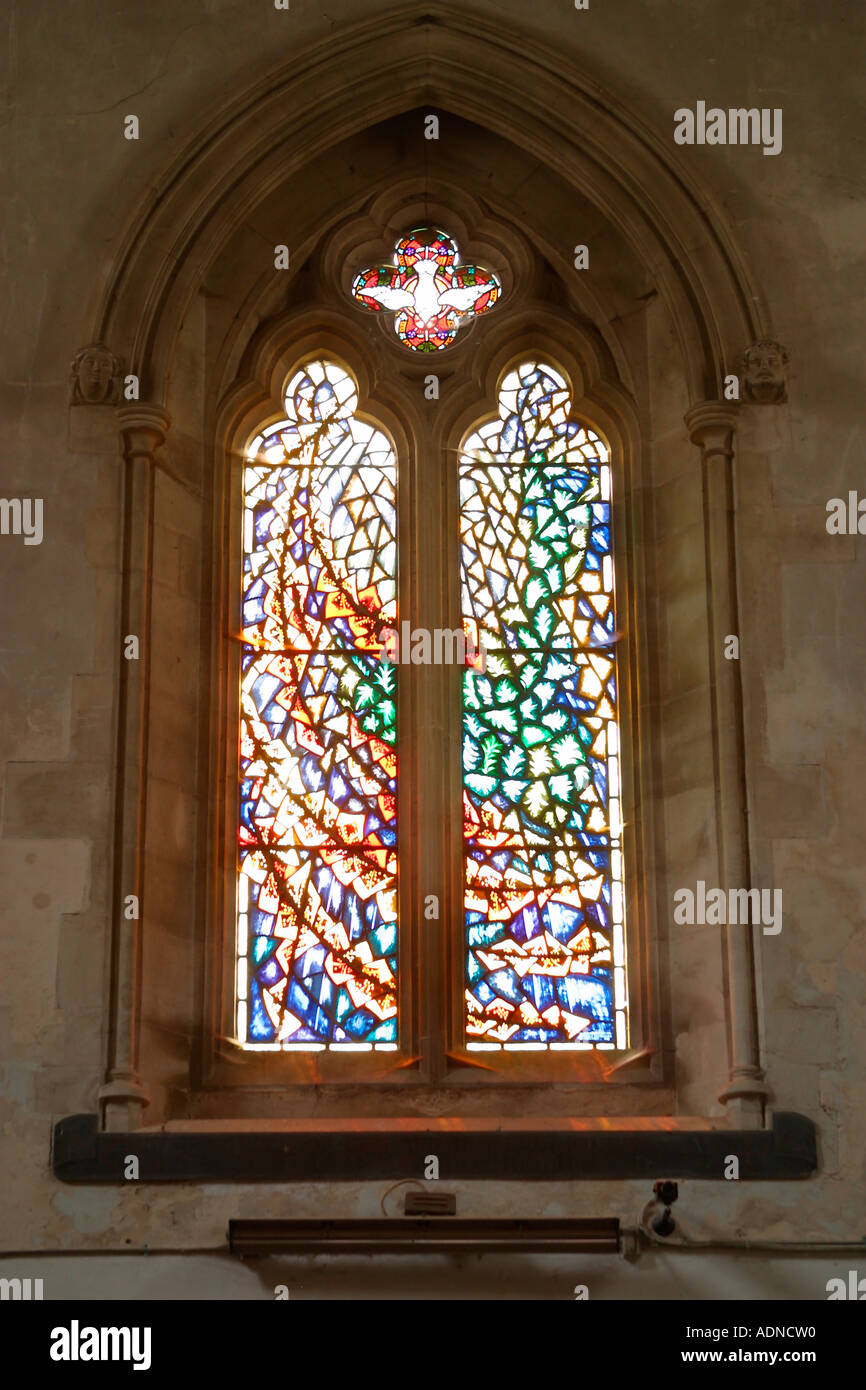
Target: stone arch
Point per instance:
(291, 118)
(208, 229)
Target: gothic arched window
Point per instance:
(543, 858)
(317, 920)
(317, 905)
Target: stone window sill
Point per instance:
(250, 1151)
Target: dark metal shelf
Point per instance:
(81, 1153)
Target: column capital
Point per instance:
(143, 428)
(712, 425)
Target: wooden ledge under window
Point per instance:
(553, 1150)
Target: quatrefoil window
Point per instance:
(427, 291)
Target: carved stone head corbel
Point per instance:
(96, 376)
(764, 379)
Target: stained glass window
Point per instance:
(317, 903)
(543, 856)
(427, 291)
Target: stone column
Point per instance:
(143, 429)
(711, 426)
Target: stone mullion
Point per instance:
(122, 1097)
(712, 427)
(431, 687)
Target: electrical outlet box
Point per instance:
(431, 1204)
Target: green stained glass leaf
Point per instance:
(492, 753)
(514, 761)
(539, 555)
(554, 578)
(514, 789)
(535, 799)
(555, 720)
(535, 591)
(562, 788)
(481, 786)
(540, 761)
(544, 621)
(567, 751)
(471, 754)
